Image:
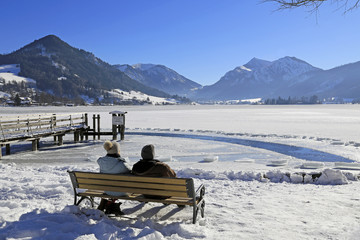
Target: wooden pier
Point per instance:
(32, 128)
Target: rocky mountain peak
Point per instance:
(256, 63)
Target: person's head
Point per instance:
(112, 147)
(148, 152)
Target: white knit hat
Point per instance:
(112, 147)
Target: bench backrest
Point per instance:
(174, 187)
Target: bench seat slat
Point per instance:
(134, 190)
(115, 183)
(139, 197)
(179, 181)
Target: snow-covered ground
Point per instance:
(124, 95)
(247, 197)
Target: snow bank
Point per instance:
(332, 177)
(325, 177)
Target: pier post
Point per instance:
(118, 124)
(76, 136)
(61, 142)
(35, 144)
(98, 126)
(7, 149)
(114, 133)
(94, 122)
(87, 127)
(53, 124)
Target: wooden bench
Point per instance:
(180, 191)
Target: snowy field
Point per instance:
(9, 73)
(247, 196)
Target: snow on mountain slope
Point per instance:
(143, 67)
(9, 73)
(159, 77)
(132, 72)
(135, 95)
(257, 78)
(289, 67)
(341, 82)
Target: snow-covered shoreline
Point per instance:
(245, 197)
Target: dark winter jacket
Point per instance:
(150, 167)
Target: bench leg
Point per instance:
(202, 209)
(200, 204)
(199, 207)
(195, 212)
(84, 198)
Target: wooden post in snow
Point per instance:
(118, 124)
(98, 126)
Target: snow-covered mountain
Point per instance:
(343, 82)
(258, 78)
(65, 71)
(160, 77)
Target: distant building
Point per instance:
(25, 101)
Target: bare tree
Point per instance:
(314, 5)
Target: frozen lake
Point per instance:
(339, 122)
(307, 132)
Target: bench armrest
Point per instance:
(200, 191)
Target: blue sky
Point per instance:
(200, 39)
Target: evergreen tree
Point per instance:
(17, 100)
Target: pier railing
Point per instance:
(33, 127)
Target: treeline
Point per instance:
(21, 89)
(283, 101)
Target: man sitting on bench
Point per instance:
(150, 167)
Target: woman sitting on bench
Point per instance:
(115, 164)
